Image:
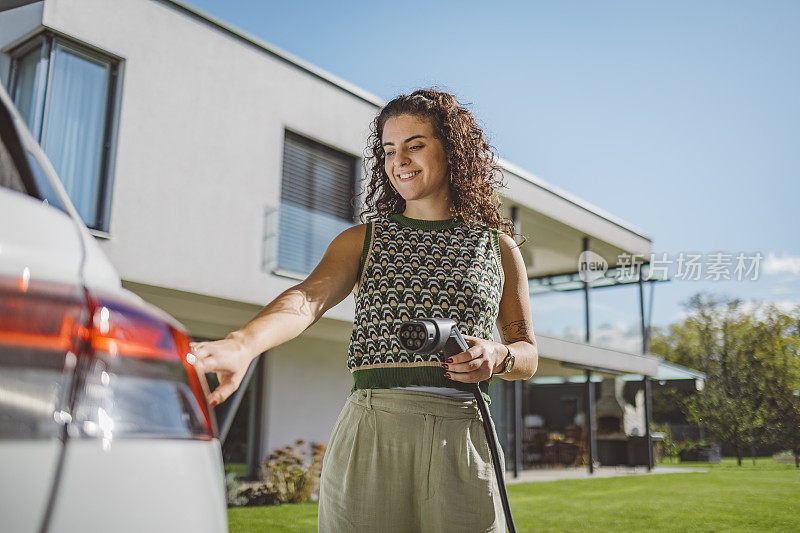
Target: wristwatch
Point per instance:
(508, 362)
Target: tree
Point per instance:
(783, 342)
(721, 340)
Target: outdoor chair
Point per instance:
(568, 453)
(576, 437)
(533, 445)
(550, 452)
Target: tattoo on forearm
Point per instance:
(516, 331)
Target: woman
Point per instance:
(408, 451)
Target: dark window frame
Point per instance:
(326, 147)
(347, 212)
(46, 42)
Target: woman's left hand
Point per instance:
(477, 363)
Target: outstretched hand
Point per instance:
(228, 359)
(477, 363)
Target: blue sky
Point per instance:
(680, 118)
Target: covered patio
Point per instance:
(543, 424)
(573, 411)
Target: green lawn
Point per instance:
(761, 497)
(238, 468)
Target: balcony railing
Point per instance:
(295, 238)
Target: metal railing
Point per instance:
(295, 238)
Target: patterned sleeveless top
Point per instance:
(411, 269)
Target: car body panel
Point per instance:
(86, 483)
(97, 270)
(40, 246)
(183, 481)
(28, 468)
(39, 238)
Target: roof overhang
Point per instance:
(668, 371)
(554, 222)
(5, 5)
(564, 358)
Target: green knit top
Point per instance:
(412, 268)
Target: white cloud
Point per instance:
(782, 290)
(551, 305)
(618, 336)
(779, 265)
(784, 306)
(748, 307)
(680, 316)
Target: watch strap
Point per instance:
(507, 360)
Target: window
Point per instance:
(65, 93)
(12, 170)
(317, 187)
(21, 170)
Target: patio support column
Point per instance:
(586, 294)
(517, 427)
(509, 431)
(517, 384)
(648, 410)
(255, 424)
(589, 410)
(641, 313)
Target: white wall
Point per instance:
(200, 144)
(308, 383)
(14, 25)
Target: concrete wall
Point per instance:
(200, 143)
(15, 24)
(308, 383)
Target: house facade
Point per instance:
(215, 169)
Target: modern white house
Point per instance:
(215, 169)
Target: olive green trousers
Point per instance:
(409, 462)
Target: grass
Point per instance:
(238, 468)
(760, 497)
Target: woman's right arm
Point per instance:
(286, 317)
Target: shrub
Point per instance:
(233, 493)
(700, 450)
(258, 494)
(287, 475)
(785, 456)
(668, 448)
(285, 478)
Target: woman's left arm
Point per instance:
(484, 358)
(514, 318)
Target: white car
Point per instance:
(104, 424)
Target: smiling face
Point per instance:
(416, 162)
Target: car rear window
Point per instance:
(20, 169)
(45, 190)
(9, 175)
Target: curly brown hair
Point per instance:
(471, 160)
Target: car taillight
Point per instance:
(43, 328)
(138, 380)
(198, 384)
(103, 367)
